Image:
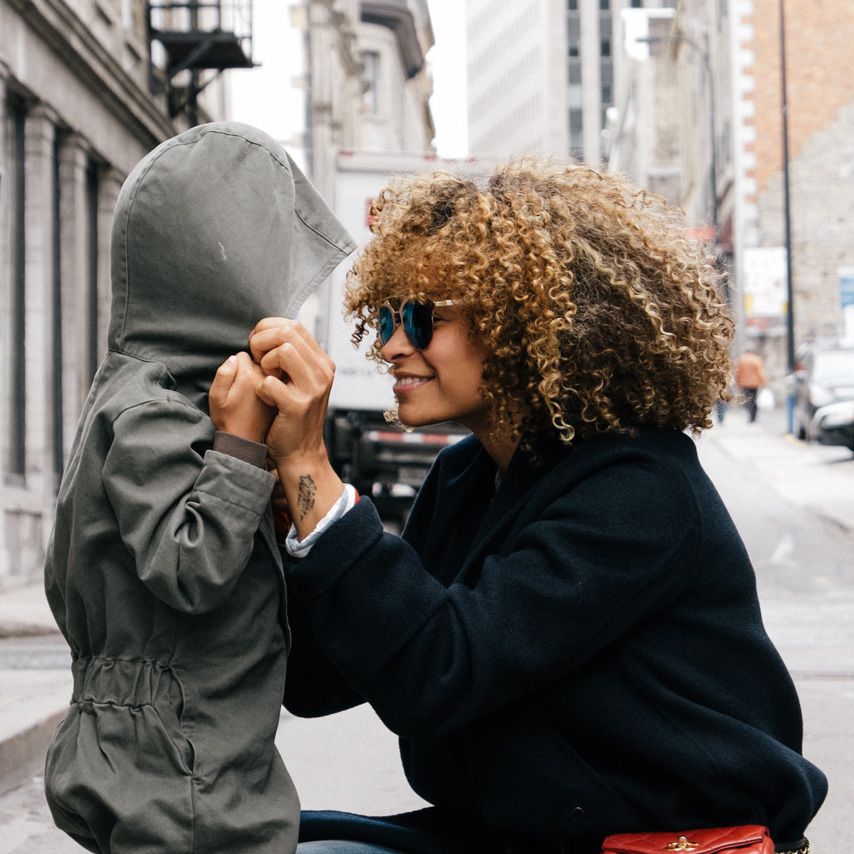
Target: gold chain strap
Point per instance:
(683, 844)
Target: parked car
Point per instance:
(823, 386)
(834, 424)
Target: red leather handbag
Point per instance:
(745, 839)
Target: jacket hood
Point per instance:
(213, 230)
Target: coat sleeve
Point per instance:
(188, 514)
(594, 564)
(314, 687)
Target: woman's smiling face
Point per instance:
(441, 382)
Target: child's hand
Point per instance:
(234, 406)
(281, 508)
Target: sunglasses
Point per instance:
(415, 317)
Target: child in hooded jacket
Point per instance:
(163, 571)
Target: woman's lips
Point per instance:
(403, 385)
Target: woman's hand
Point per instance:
(298, 380)
(234, 406)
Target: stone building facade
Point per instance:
(367, 87)
(644, 127)
(367, 84)
(76, 114)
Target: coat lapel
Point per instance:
(514, 491)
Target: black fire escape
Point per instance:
(200, 39)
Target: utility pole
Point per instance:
(787, 222)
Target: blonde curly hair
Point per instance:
(598, 312)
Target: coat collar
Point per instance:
(468, 475)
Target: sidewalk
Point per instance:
(33, 700)
(816, 478)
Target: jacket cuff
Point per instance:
(338, 549)
(250, 452)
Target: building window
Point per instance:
(572, 5)
(92, 354)
(573, 37)
(574, 72)
(370, 81)
(607, 94)
(604, 5)
(16, 462)
(605, 46)
(637, 4)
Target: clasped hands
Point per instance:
(279, 396)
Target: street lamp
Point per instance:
(703, 53)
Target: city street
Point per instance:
(790, 502)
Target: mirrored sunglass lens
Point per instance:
(417, 319)
(386, 324)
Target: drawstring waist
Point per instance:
(123, 682)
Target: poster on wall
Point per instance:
(765, 303)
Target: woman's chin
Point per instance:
(411, 418)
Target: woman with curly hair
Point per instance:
(566, 637)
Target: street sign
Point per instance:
(765, 290)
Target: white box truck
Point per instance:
(380, 459)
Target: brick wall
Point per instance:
(819, 35)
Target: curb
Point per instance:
(28, 630)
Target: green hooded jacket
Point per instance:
(162, 571)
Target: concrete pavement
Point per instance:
(34, 698)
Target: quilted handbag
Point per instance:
(745, 839)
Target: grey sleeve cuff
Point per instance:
(250, 452)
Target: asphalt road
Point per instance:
(805, 573)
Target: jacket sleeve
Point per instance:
(594, 564)
(188, 514)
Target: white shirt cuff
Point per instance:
(300, 548)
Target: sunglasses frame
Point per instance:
(397, 318)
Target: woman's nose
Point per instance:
(396, 346)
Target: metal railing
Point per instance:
(220, 16)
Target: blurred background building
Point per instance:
(365, 79)
(542, 74)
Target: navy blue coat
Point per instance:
(579, 653)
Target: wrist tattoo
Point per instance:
(305, 498)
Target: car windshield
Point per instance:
(834, 365)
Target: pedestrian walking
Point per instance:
(750, 378)
(566, 636)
